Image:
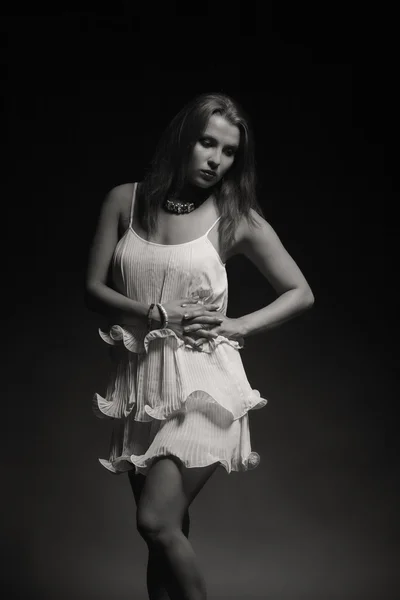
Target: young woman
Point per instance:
(178, 392)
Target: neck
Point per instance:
(192, 193)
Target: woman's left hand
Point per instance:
(229, 328)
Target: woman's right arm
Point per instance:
(99, 296)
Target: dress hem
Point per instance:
(252, 461)
(103, 408)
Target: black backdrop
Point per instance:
(86, 95)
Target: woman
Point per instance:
(179, 392)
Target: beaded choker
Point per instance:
(179, 208)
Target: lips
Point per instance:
(211, 173)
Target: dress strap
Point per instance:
(215, 222)
(132, 203)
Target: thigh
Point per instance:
(162, 501)
(194, 479)
(169, 487)
(136, 481)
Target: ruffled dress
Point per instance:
(164, 396)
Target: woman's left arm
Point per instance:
(262, 246)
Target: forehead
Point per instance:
(219, 128)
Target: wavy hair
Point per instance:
(235, 193)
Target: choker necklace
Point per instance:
(179, 208)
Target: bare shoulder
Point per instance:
(251, 233)
(118, 203)
(120, 196)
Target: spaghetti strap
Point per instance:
(132, 203)
(215, 222)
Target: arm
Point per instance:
(263, 248)
(99, 296)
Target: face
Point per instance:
(213, 153)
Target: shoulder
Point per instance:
(253, 231)
(119, 197)
(117, 204)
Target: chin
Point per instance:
(202, 183)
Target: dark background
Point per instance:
(85, 96)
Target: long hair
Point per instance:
(235, 193)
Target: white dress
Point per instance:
(164, 396)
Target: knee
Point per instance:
(147, 523)
(154, 530)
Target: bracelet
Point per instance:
(164, 316)
(149, 317)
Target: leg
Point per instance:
(167, 492)
(157, 572)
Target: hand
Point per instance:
(228, 328)
(178, 309)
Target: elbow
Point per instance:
(90, 297)
(308, 299)
(92, 288)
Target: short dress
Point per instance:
(164, 396)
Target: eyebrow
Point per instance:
(208, 135)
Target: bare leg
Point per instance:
(158, 575)
(168, 490)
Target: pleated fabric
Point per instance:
(163, 396)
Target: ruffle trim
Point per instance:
(137, 340)
(122, 464)
(198, 400)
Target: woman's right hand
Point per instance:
(203, 313)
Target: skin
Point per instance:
(165, 494)
(163, 498)
(214, 150)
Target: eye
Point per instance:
(206, 142)
(230, 152)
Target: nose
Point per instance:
(215, 160)
(213, 163)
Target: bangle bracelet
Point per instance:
(149, 317)
(164, 316)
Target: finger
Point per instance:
(207, 334)
(190, 301)
(206, 319)
(202, 310)
(196, 328)
(200, 342)
(192, 328)
(195, 343)
(204, 306)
